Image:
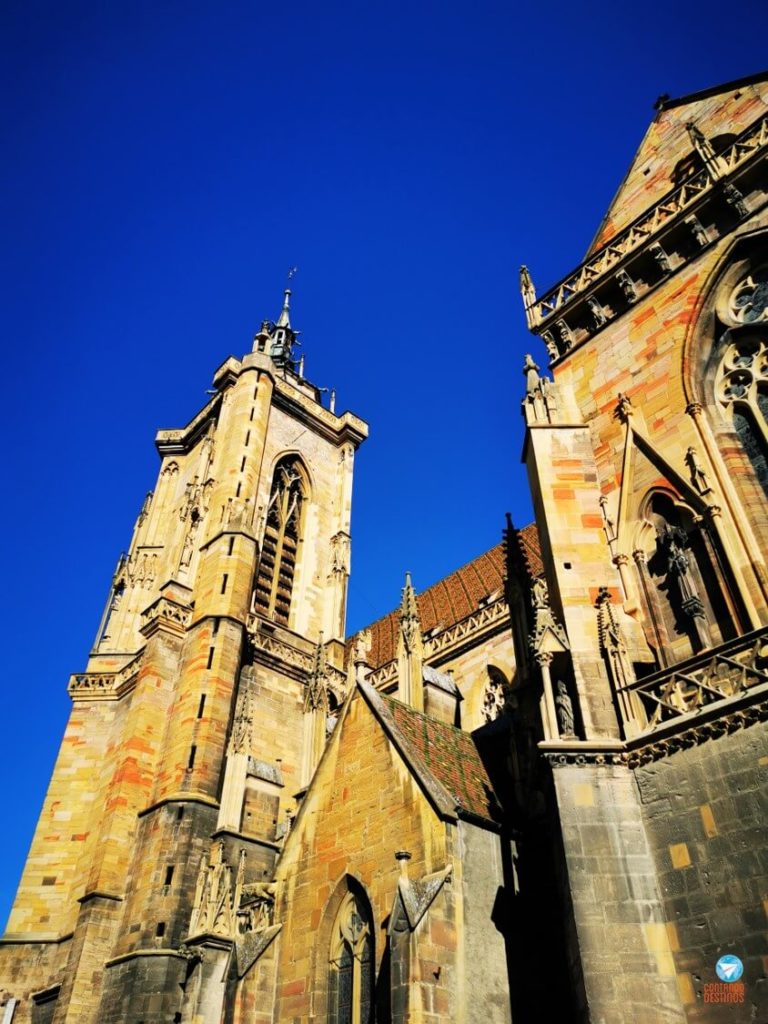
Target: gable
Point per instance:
(364, 802)
(666, 153)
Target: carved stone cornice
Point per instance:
(322, 421)
(726, 716)
(104, 685)
(179, 442)
(165, 614)
(290, 653)
(647, 233)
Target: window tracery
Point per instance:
(742, 387)
(496, 696)
(749, 299)
(351, 963)
(279, 549)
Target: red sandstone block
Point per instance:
(444, 934)
(294, 988)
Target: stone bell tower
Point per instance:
(200, 717)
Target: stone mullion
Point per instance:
(653, 609)
(736, 508)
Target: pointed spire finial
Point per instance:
(409, 612)
(410, 650)
(528, 293)
(408, 607)
(284, 320)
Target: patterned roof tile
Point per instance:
(446, 754)
(444, 604)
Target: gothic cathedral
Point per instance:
(536, 791)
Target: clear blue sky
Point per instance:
(164, 164)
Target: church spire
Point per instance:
(410, 650)
(282, 336)
(284, 319)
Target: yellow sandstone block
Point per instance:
(584, 795)
(679, 855)
(708, 821)
(686, 989)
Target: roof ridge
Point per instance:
(666, 103)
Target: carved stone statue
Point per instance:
(698, 473)
(551, 344)
(597, 313)
(679, 566)
(564, 706)
(531, 371)
(677, 560)
(539, 593)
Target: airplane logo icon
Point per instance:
(729, 968)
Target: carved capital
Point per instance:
(693, 606)
(694, 409)
(624, 407)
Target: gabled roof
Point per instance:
(445, 760)
(444, 604)
(726, 109)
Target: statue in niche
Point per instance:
(189, 543)
(564, 706)
(539, 593)
(698, 473)
(673, 541)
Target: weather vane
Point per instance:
(291, 272)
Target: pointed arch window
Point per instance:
(351, 966)
(742, 383)
(282, 534)
(685, 581)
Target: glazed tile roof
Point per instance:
(444, 604)
(530, 549)
(458, 595)
(441, 754)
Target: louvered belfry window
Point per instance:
(282, 533)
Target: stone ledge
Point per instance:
(180, 798)
(136, 953)
(40, 938)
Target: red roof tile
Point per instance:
(446, 754)
(445, 603)
(530, 548)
